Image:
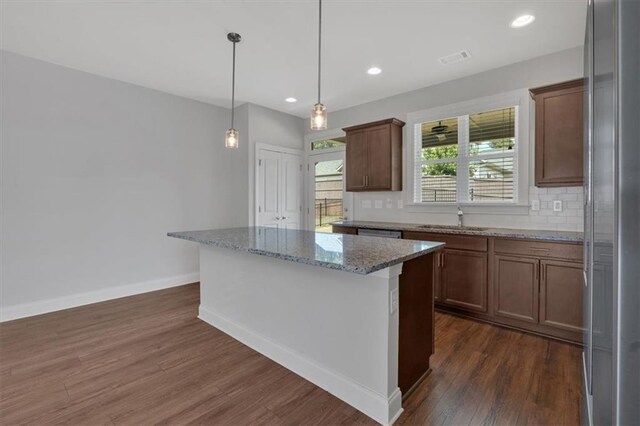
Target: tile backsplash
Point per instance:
(570, 218)
(388, 207)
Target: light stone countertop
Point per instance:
(350, 253)
(530, 234)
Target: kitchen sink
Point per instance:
(453, 227)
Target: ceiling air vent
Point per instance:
(455, 57)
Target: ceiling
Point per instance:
(180, 47)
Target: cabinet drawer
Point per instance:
(459, 242)
(539, 248)
(339, 229)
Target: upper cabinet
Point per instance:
(374, 156)
(559, 129)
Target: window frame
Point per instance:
(521, 155)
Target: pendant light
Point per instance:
(319, 112)
(231, 139)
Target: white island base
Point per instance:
(337, 329)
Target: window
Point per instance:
(328, 143)
(468, 158)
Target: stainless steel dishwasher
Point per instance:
(384, 233)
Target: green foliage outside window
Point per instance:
(451, 151)
(327, 143)
(444, 169)
(445, 151)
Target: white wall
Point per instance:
(557, 67)
(94, 173)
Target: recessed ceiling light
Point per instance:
(291, 100)
(522, 21)
(374, 71)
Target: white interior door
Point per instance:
(279, 189)
(291, 191)
(268, 188)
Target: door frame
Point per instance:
(310, 157)
(256, 184)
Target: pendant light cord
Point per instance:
(319, 45)
(233, 85)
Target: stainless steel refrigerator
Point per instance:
(612, 213)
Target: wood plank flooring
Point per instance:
(147, 359)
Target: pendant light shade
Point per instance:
(319, 117)
(319, 112)
(231, 137)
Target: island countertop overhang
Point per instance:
(350, 253)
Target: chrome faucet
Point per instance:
(460, 215)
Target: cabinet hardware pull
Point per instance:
(277, 217)
(284, 217)
(364, 180)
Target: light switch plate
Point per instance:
(535, 205)
(400, 204)
(389, 203)
(557, 205)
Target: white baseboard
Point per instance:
(51, 305)
(380, 408)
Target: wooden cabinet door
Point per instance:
(516, 287)
(379, 153)
(464, 279)
(356, 160)
(374, 156)
(561, 292)
(559, 129)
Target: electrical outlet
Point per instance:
(557, 205)
(377, 204)
(393, 301)
(366, 204)
(400, 204)
(535, 205)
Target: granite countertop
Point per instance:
(351, 253)
(529, 234)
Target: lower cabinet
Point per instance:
(531, 285)
(516, 287)
(461, 273)
(561, 286)
(463, 279)
(539, 293)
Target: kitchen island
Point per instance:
(328, 307)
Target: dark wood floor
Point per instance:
(147, 359)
